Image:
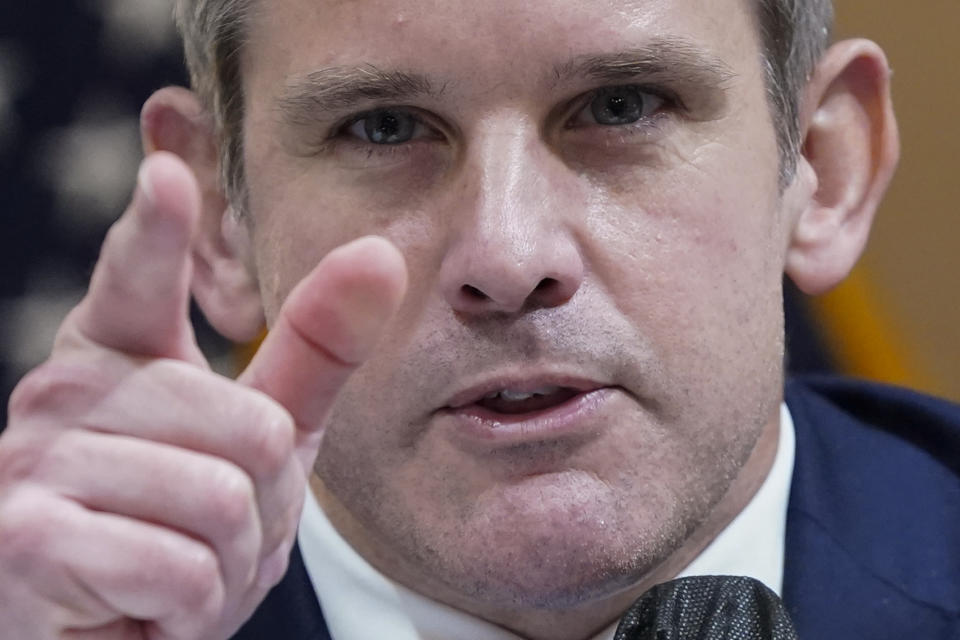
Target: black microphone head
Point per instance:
(707, 608)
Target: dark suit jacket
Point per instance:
(873, 525)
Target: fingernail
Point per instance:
(163, 229)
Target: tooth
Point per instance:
(515, 396)
(546, 391)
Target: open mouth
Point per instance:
(506, 413)
(511, 402)
(523, 408)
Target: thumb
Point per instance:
(139, 294)
(329, 324)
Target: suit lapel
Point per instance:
(290, 611)
(870, 515)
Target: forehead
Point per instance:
(495, 42)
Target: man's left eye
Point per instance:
(611, 106)
(387, 126)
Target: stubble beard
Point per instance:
(556, 543)
(585, 541)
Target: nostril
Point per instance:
(473, 292)
(546, 285)
(548, 292)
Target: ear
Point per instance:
(224, 284)
(850, 151)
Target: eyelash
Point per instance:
(645, 125)
(340, 133)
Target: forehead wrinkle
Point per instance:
(674, 59)
(337, 88)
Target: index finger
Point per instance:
(328, 326)
(139, 293)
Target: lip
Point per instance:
(523, 384)
(580, 416)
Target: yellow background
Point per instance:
(896, 319)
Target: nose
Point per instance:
(514, 244)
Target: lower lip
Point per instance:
(578, 416)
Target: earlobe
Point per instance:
(223, 283)
(850, 150)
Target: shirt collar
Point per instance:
(359, 602)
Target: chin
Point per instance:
(560, 581)
(545, 540)
(551, 544)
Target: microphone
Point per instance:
(707, 608)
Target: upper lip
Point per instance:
(522, 384)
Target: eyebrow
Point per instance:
(662, 60)
(338, 88)
(307, 98)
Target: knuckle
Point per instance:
(283, 528)
(274, 566)
(40, 389)
(199, 578)
(60, 389)
(21, 452)
(272, 441)
(25, 520)
(44, 406)
(29, 393)
(231, 497)
(19, 459)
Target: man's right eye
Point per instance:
(387, 126)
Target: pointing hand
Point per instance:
(143, 495)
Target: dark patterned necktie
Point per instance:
(707, 608)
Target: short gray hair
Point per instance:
(214, 34)
(793, 34)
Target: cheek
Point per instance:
(694, 257)
(301, 214)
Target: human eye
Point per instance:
(618, 106)
(391, 126)
(380, 137)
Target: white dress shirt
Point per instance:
(360, 603)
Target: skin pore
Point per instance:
(643, 259)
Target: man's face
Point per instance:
(586, 196)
